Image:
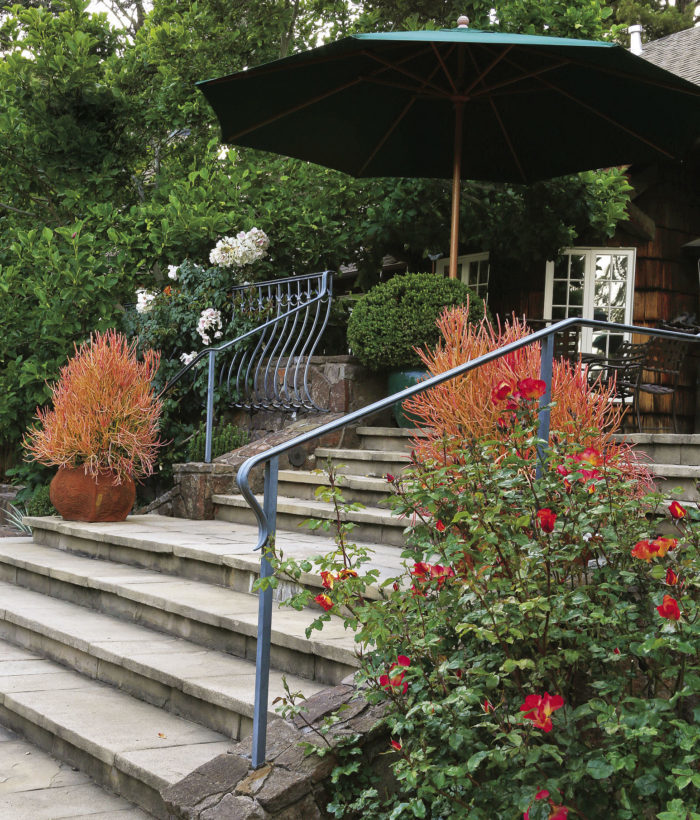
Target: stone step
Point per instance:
(215, 617)
(130, 747)
(210, 687)
(668, 477)
(36, 786)
(388, 438)
(368, 490)
(362, 462)
(667, 448)
(373, 524)
(216, 552)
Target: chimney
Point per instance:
(635, 33)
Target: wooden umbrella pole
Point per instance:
(456, 179)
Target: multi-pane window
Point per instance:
(472, 269)
(592, 283)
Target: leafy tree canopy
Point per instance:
(112, 168)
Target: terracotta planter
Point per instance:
(81, 497)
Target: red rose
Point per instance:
(547, 519)
(501, 391)
(396, 745)
(327, 579)
(324, 601)
(440, 527)
(669, 609)
(531, 388)
(671, 577)
(395, 681)
(538, 709)
(677, 511)
(643, 550)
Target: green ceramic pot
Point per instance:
(400, 380)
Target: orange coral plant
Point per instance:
(463, 408)
(105, 414)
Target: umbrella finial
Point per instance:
(463, 21)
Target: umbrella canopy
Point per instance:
(460, 104)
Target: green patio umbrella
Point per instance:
(460, 104)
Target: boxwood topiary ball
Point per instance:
(398, 315)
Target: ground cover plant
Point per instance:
(539, 655)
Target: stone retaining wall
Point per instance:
(337, 382)
(292, 785)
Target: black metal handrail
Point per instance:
(266, 515)
(274, 373)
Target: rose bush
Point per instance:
(535, 661)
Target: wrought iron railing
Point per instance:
(266, 514)
(272, 373)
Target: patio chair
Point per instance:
(566, 342)
(621, 369)
(660, 372)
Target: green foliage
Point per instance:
(529, 645)
(40, 503)
(112, 169)
(225, 438)
(395, 317)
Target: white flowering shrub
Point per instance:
(144, 298)
(209, 319)
(240, 250)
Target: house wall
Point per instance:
(664, 215)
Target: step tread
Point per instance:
(659, 438)
(214, 542)
(210, 675)
(213, 605)
(691, 471)
(397, 432)
(363, 455)
(318, 509)
(320, 478)
(145, 742)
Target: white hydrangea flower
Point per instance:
(172, 272)
(143, 300)
(186, 358)
(242, 249)
(209, 319)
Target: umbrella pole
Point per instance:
(456, 179)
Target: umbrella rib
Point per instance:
(511, 148)
(397, 67)
(528, 76)
(445, 69)
(293, 109)
(605, 117)
(692, 91)
(390, 131)
(485, 72)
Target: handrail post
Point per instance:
(262, 654)
(210, 408)
(546, 361)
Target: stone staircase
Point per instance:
(363, 473)
(674, 460)
(128, 649)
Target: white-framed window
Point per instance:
(593, 283)
(472, 269)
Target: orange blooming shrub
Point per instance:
(105, 414)
(470, 405)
